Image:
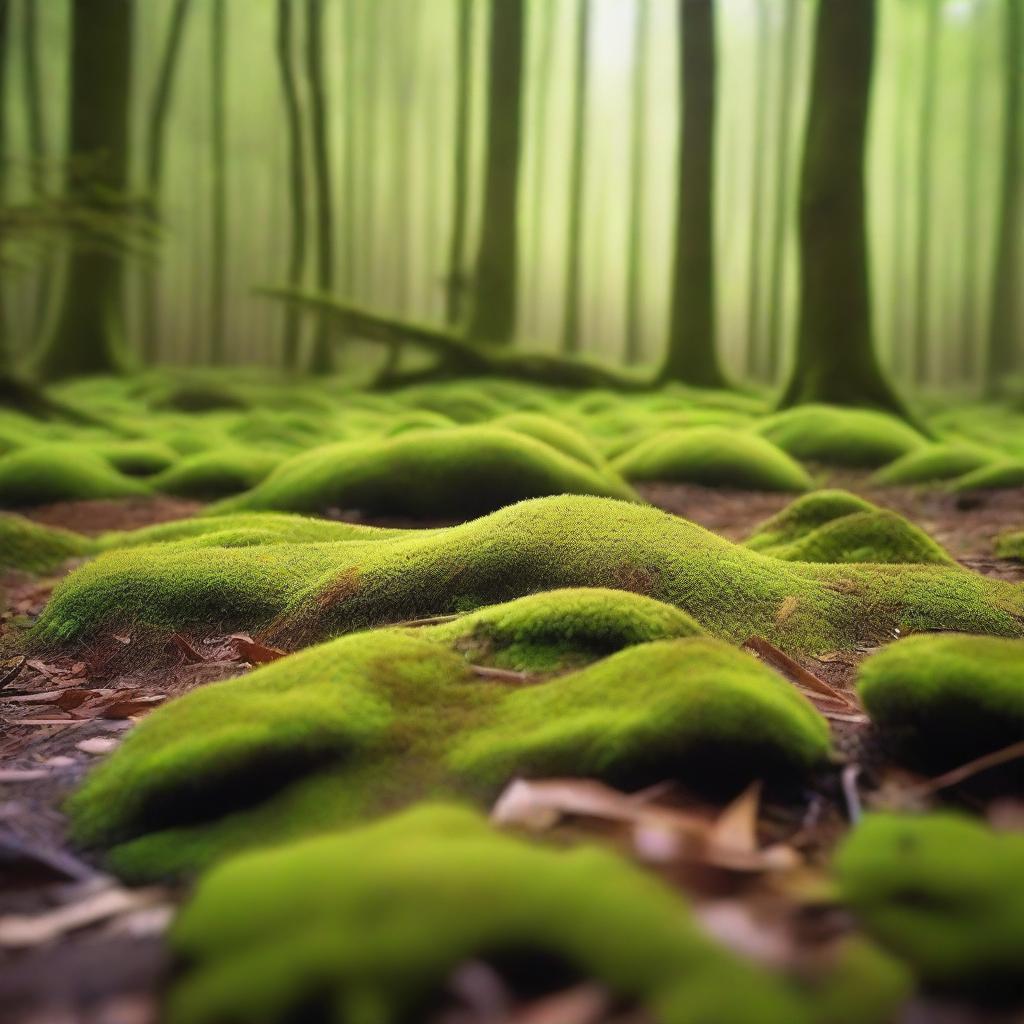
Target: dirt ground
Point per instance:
(75, 947)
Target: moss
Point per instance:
(840, 436)
(943, 893)
(455, 473)
(804, 515)
(562, 628)
(197, 396)
(325, 589)
(1011, 545)
(1002, 474)
(554, 434)
(29, 547)
(932, 463)
(390, 716)
(138, 458)
(858, 984)
(60, 472)
(716, 456)
(372, 923)
(217, 473)
(946, 698)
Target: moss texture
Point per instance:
(553, 433)
(345, 729)
(60, 472)
(324, 589)
(138, 458)
(840, 436)
(29, 547)
(943, 893)
(217, 474)
(715, 456)
(933, 463)
(1002, 474)
(1011, 545)
(451, 474)
(369, 925)
(946, 698)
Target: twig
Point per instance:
(793, 670)
(430, 620)
(501, 675)
(966, 771)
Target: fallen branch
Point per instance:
(794, 671)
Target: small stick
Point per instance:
(966, 771)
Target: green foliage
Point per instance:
(46, 473)
(944, 699)
(372, 923)
(839, 436)
(29, 547)
(933, 463)
(716, 456)
(943, 893)
(217, 473)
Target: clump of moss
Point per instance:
(60, 472)
(946, 698)
(1011, 545)
(553, 433)
(1002, 474)
(833, 526)
(371, 923)
(138, 458)
(933, 463)
(943, 893)
(391, 716)
(453, 473)
(716, 456)
(558, 629)
(840, 437)
(217, 473)
(30, 547)
(197, 396)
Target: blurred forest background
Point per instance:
(341, 146)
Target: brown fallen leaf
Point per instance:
(130, 707)
(793, 670)
(786, 609)
(253, 651)
(67, 699)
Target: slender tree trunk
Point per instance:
(405, 43)
(89, 330)
(773, 350)
(493, 309)
(637, 178)
(5, 22)
(922, 289)
(321, 361)
(900, 311)
(545, 68)
(1006, 323)
(296, 172)
(218, 178)
(350, 46)
(156, 137)
(456, 282)
(691, 356)
(754, 342)
(835, 358)
(577, 184)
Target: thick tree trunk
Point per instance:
(691, 356)
(89, 330)
(637, 178)
(835, 358)
(1006, 324)
(456, 281)
(218, 180)
(492, 314)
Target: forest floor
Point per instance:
(76, 947)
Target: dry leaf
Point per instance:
(793, 670)
(786, 609)
(253, 651)
(131, 706)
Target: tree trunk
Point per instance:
(89, 330)
(492, 314)
(1006, 326)
(456, 282)
(5, 22)
(835, 357)
(218, 180)
(754, 341)
(637, 178)
(691, 356)
(577, 184)
(320, 361)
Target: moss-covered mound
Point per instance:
(716, 456)
(369, 925)
(834, 526)
(553, 433)
(324, 589)
(933, 463)
(349, 728)
(217, 473)
(562, 628)
(30, 547)
(1011, 545)
(452, 473)
(946, 698)
(138, 458)
(840, 437)
(60, 472)
(943, 893)
(1000, 475)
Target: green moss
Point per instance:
(138, 458)
(372, 923)
(999, 475)
(556, 435)
(217, 473)
(804, 515)
(932, 463)
(943, 893)
(561, 628)
(716, 456)
(1011, 545)
(29, 547)
(339, 731)
(946, 698)
(454, 473)
(197, 396)
(839, 436)
(325, 589)
(60, 472)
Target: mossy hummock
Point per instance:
(943, 699)
(217, 473)
(933, 463)
(47, 473)
(1011, 545)
(31, 547)
(999, 475)
(945, 894)
(369, 926)
(715, 456)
